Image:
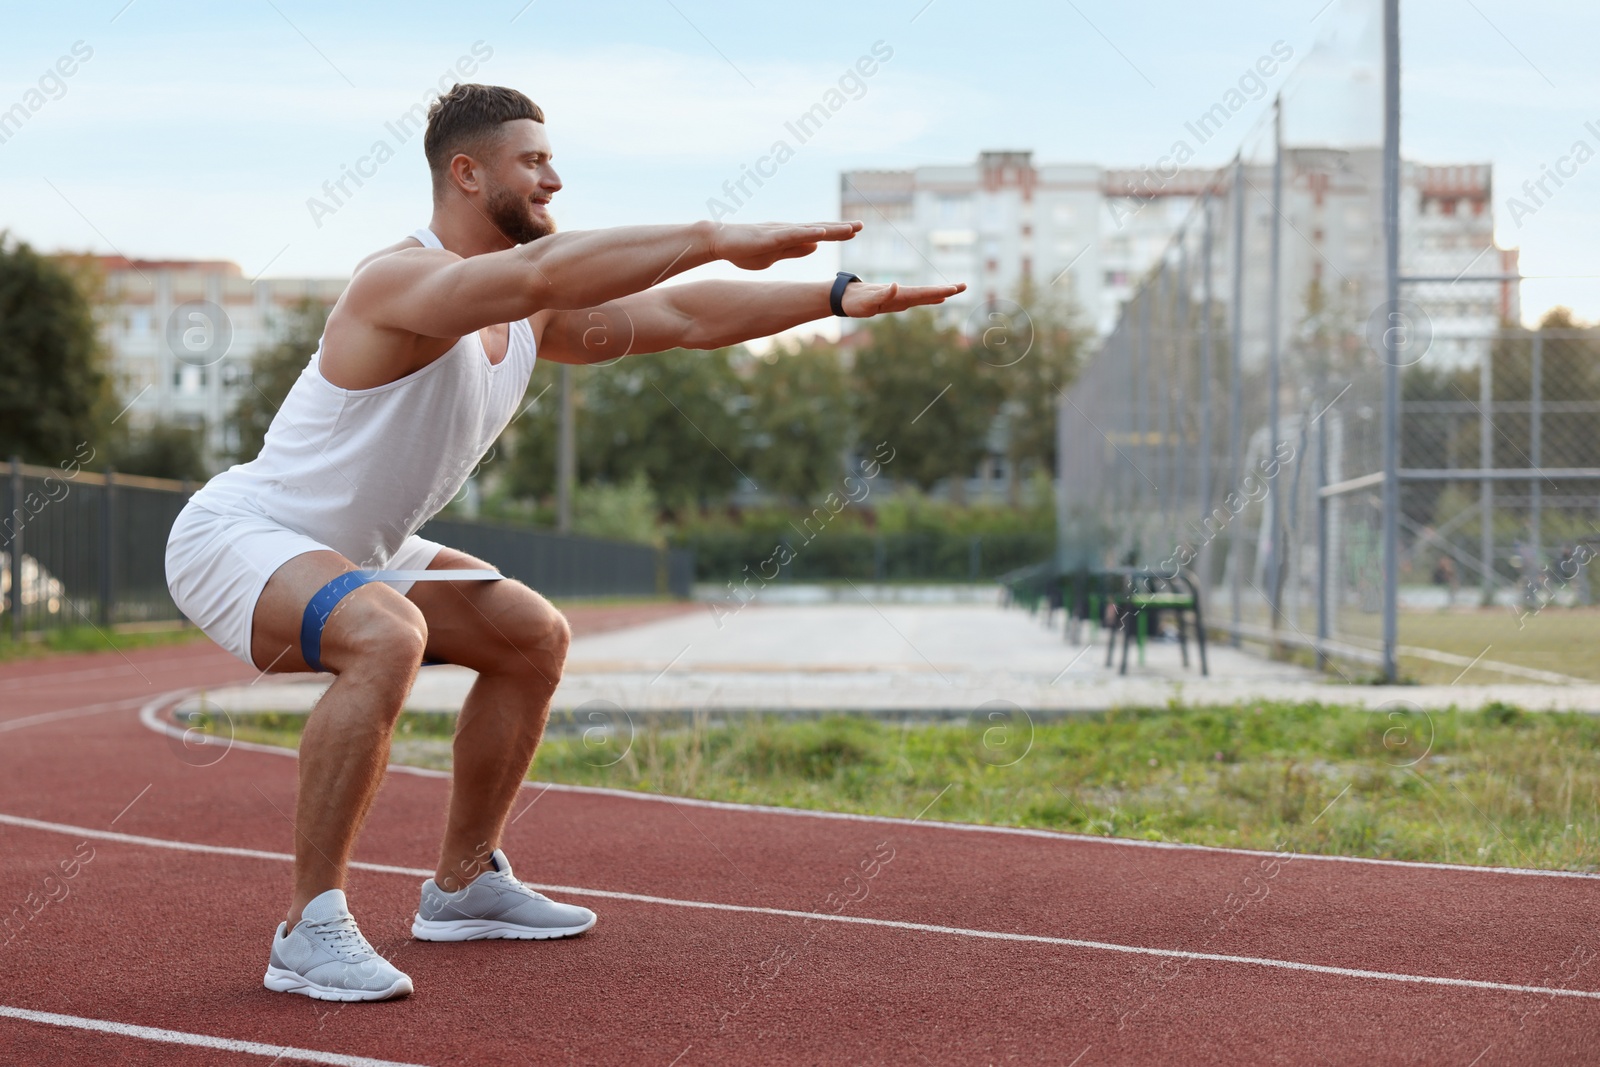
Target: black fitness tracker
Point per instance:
(836, 297)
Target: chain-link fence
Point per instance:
(1232, 423)
(1501, 471)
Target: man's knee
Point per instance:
(540, 640)
(387, 637)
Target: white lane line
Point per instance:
(150, 716)
(169, 663)
(213, 850)
(181, 1037)
(891, 924)
(66, 713)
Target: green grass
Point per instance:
(92, 639)
(1564, 640)
(565, 602)
(1498, 787)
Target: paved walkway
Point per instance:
(889, 658)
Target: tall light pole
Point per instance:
(1236, 394)
(1274, 359)
(1391, 335)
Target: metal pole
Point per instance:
(1180, 371)
(1136, 485)
(1061, 478)
(1141, 393)
(1203, 466)
(1324, 614)
(1486, 462)
(1161, 380)
(1110, 393)
(1391, 357)
(14, 513)
(1535, 450)
(108, 546)
(1236, 393)
(1274, 351)
(566, 455)
(1127, 484)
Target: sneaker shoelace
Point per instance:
(343, 937)
(509, 882)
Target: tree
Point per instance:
(677, 417)
(53, 387)
(273, 370)
(924, 392)
(1052, 341)
(625, 512)
(800, 419)
(164, 450)
(525, 455)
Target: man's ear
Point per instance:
(466, 173)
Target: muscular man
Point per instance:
(287, 560)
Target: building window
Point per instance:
(952, 209)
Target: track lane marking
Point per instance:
(166, 663)
(66, 713)
(150, 716)
(183, 1037)
(892, 924)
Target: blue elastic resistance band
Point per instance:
(322, 603)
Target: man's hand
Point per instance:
(712, 314)
(862, 300)
(757, 246)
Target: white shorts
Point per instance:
(217, 565)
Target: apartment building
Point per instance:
(181, 334)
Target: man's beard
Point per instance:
(513, 216)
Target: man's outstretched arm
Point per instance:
(436, 293)
(714, 314)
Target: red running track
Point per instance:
(727, 934)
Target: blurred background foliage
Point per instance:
(911, 449)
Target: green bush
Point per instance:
(923, 555)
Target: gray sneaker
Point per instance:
(495, 905)
(326, 957)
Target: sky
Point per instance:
(208, 131)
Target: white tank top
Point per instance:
(362, 469)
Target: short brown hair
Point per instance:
(468, 115)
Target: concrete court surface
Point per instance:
(896, 657)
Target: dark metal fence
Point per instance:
(79, 548)
(568, 564)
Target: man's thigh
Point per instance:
(489, 625)
(281, 609)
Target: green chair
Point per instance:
(1143, 595)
